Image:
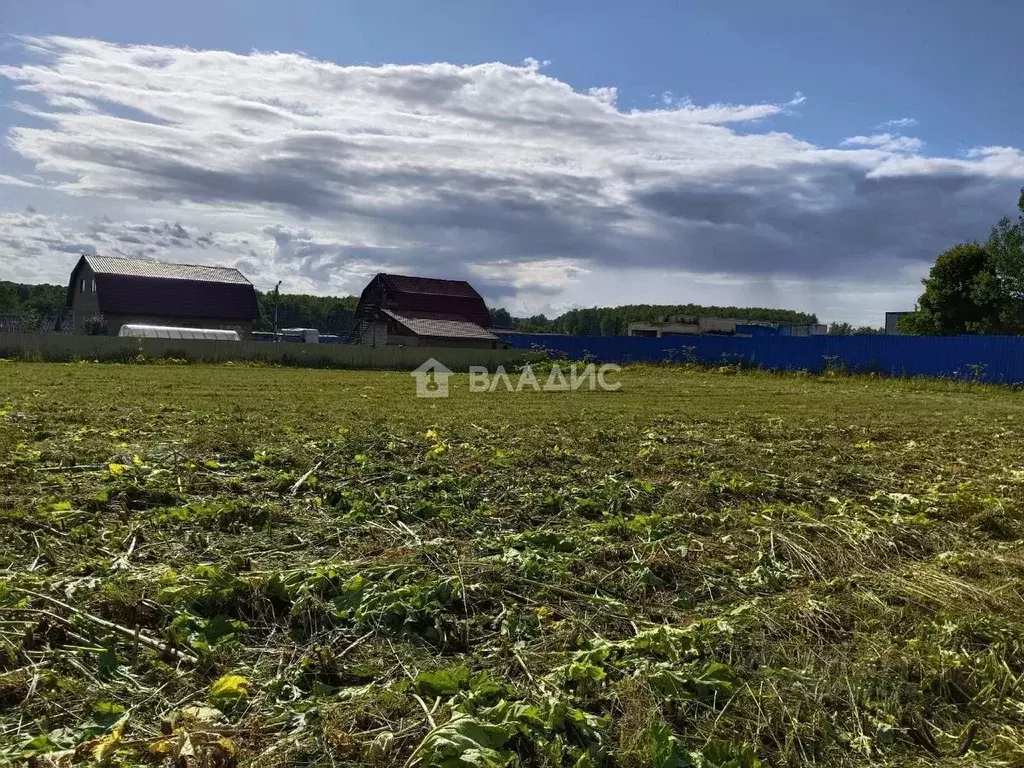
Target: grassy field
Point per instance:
(219, 565)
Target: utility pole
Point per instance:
(277, 300)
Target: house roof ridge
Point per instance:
(168, 270)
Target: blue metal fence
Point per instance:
(984, 358)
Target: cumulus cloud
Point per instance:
(886, 142)
(898, 123)
(29, 239)
(32, 242)
(322, 174)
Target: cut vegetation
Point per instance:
(220, 565)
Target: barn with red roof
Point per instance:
(106, 292)
(422, 311)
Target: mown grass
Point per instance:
(211, 565)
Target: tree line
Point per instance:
(328, 314)
(33, 305)
(975, 288)
(846, 329)
(614, 321)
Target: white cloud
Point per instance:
(29, 237)
(885, 142)
(545, 195)
(898, 123)
(13, 181)
(605, 95)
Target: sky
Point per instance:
(797, 154)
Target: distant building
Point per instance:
(305, 335)
(422, 311)
(892, 322)
(106, 293)
(678, 325)
(682, 326)
(802, 329)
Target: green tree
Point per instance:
(611, 324)
(963, 293)
(329, 314)
(535, 324)
(501, 318)
(846, 329)
(33, 303)
(9, 303)
(1006, 248)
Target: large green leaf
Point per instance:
(442, 682)
(466, 740)
(228, 691)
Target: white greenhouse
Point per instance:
(167, 332)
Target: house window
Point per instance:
(94, 286)
(83, 286)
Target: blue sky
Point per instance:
(950, 71)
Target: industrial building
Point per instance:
(422, 311)
(106, 293)
(892, 323)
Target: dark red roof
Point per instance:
(430, 286)
(430, 324)
(139, 287)
(451, 299)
